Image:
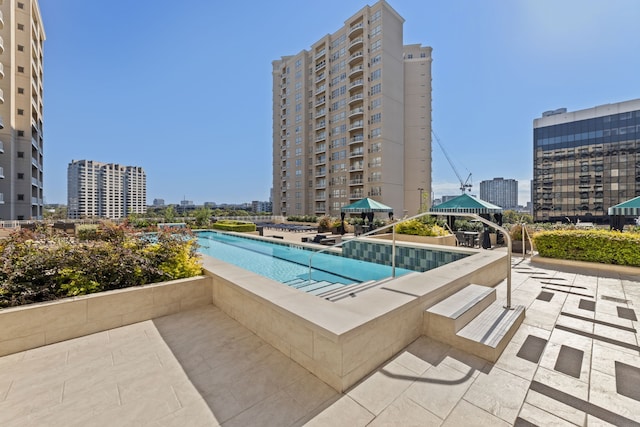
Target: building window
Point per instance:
(20, 27)
(376, 59)
(20, 5)
(376, 45)
(20, 112)
(20, 133)
(20, 197)
(423, 55)
(376, 74)
(409, 55)
(21, 90)
(20, 175)
(20, 69)
(20, 48)
(376, 118)
(21, 154)
(376, 89)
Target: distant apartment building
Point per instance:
(352, 119)
(105, 190)
(258, 206)
(585, 161)
(501, 192)
(21, 110)
(158, 202)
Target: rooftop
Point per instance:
(574, 360)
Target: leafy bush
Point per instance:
(305, 218)
(418, 228)
(325, 222)
(40, 265)
(87, 231)
(602, 246)
(237, 226)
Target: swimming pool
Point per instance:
(289, 264)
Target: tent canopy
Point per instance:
(366, 205)
(628, 208)
(467, 204)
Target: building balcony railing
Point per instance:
(1, 45)
(320, 77)
(356, 195)
(356, 139)
(357, 69)
(321, 148)
(1, 198)
(359, 27)
(1, 172)
(320, 113)
(321, 65)
(356, 111)
(357, 153)
(356, 56)
(1, 70)
(321, 125)
(320, 89)
(356, 181)
(1, 147)
(320, 101)
(356, 42)
(356, 83)
(321, 161)
(355, 98)
(320, 54)
(356, 167)
(356, 125)
(320, 137)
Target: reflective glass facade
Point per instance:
(582, 167)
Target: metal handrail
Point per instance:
(442, 213)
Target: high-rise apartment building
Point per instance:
(501, 192)
(21, 110)
(352, 119)
(105, 190)
(585, 161)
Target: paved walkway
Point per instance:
(574, 361)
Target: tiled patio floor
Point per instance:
(574, 361)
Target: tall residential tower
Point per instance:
(501, 192)
(21, 110)
(352, 119)
(105, 190)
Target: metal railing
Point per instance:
(393, 245)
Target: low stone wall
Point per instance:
(342, 342)
(35, 325)
(448, 240)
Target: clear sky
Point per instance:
(183, 88)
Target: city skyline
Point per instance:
(185, 92)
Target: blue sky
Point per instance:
(183, 89)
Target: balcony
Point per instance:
(1, 147)
(1, 172)
(356, 83)
(356, 112)
(1, 20)
(1, 97)
(321, 65)
(320, 125)
(321, 183)
(320, 78)
(1, 70)
(358, 166)
(321, 137)
(355, 98)
(357, 153)
(356, 125)
(358, 69)
(1, 198)
(321, 195)
(321, 160)
(356, 195)
(320, 101)
(356, 42)
(321, 148)
(320, 112)
(356, 139)
(321, 172)
(356, 181)
(1, 45)
(320, 54)
(356, 29)
(356, 56)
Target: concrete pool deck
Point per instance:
(574, 361)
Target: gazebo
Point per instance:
(618, 212)
(465, 203)
(365, 207)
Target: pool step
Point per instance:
(314, 286)
(349, 290)
(473, 321)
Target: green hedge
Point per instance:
(418, 228)
(237, 226)
(602, 246)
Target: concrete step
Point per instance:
(327, 288)
(348, 290)
(444, 319)
(488, 334)
(315, 285)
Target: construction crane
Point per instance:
(464, 185)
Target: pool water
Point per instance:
(289, 264)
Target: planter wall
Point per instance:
(35, 325)
(449, 240)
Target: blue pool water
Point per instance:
(289, 264)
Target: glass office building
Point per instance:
(585, 161)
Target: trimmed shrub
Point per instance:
(237, 226)
(602, 246)
(418, 228)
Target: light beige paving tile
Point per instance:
(311, 393)
(439, 389)
(404, 412)
(565, 384)
(467, 414)
(602, 392)
(428, 350)
(191, 416)
(277, 410)
(411, 362)
(510, 362)
(604, 357)
(540, 318)
(540, 417)
(345, 412)
(464, 362)
(597, 422)
(499, 393)
(615, 334)
(378, 390)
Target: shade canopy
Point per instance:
(465, 203)
(628, 208)
(366, 205)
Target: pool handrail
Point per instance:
(439, 213)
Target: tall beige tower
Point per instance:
(352, 119)
(21, 139)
